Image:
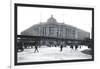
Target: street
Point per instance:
(51, 54)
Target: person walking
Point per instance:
(61, 47)
(76, 46)
(36, 47)
(71, 46)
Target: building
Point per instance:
(52, 28)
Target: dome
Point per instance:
(51, 20)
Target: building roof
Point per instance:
(50, 22)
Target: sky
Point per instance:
(28, 16)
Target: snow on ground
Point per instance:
(51, 54)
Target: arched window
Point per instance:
(51, 31)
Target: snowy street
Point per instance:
(51, 54)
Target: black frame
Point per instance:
(16, 5)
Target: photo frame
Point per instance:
(35, 45)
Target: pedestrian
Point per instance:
(36, 47)
(71, 46)
(76, 46)
(61, 47)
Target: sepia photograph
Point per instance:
(53, 34)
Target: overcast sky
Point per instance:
(28, 16)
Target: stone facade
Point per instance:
(52, 28)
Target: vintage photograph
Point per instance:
(53, 33)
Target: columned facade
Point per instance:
(52, 28)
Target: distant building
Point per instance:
(52, 28)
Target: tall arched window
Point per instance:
(51, 31)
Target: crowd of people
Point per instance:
(36, 45)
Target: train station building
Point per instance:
(53, 28)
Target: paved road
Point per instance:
(51, 54)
